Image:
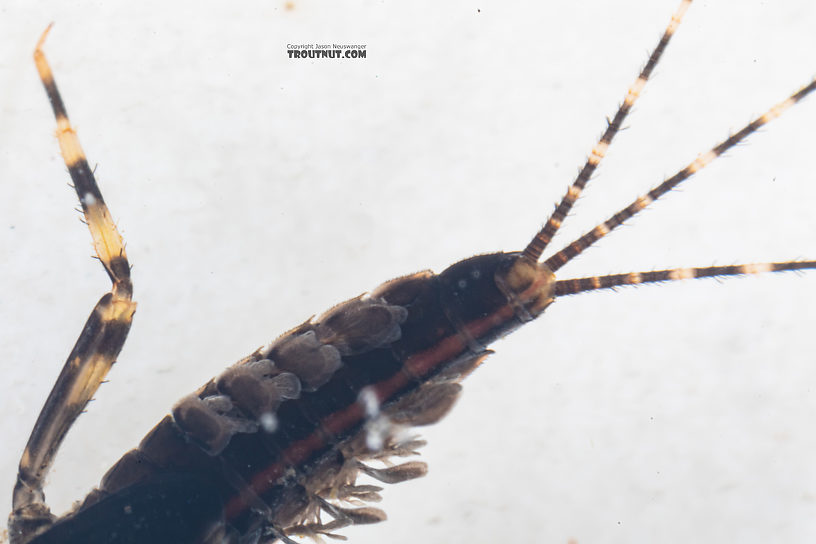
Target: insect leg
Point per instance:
(98, 344)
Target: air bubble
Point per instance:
(269, 422)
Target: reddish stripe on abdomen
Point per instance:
(420, 365)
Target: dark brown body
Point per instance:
(254, 451)
(262, 451)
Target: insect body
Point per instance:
(460, 337)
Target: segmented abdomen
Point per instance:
(282, 435)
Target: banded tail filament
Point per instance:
(590, 189)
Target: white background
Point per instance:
(255, 190)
